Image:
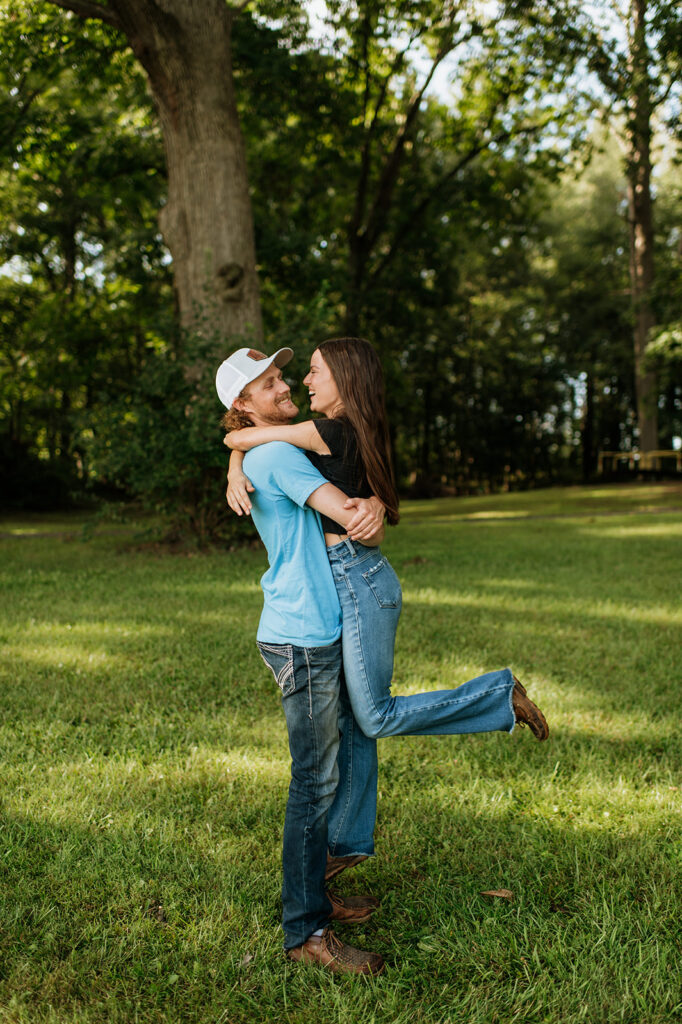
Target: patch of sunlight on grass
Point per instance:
(517, 583)
(96, 630)
(496, 514)
(630, 530)
(634, 613)
(111, 790)
(431, 596)
(27, 531)
(36, 523)
(241, 588)
(607, 609)
(563, 501)
(643, 492)
(56, 656)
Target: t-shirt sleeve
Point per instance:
(292, 472)
(333, 433)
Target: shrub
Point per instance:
(162, 442)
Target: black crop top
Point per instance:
(342, 466)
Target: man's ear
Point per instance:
(240, 405)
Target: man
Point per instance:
(299, 640)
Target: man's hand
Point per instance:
(237, 496)
(368, 519)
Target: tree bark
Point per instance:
(207, 222)
(640, 209)
(588, 432)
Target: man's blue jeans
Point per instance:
(332, 793)
(371, 599)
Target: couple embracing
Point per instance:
(318, 492)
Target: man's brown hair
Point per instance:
(235, 419)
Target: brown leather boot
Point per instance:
(527, 713)
(328, 951)
(352, 909)
(335, 865)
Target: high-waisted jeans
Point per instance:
(371, 599)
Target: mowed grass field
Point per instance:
(144, 770)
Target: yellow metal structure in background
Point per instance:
(645, 461)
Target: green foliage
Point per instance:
(158, 438)
(583, 267)
(666, 346)
(663, 350)
(85, 269)
(444, 225)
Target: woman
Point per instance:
(351, 448)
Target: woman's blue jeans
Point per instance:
(371, 599)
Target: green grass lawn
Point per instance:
(144, 767)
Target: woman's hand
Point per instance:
(238, 486)
(368, 519)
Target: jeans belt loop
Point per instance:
(349, 544)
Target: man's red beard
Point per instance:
(279, 415)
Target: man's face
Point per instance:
(268, 399)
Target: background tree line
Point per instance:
(500, 239)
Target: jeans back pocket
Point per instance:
(280, 660)
(384, 584)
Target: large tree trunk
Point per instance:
(641, 224)
(185, 48)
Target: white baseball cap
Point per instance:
(243, 366)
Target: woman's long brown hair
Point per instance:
(357, 373)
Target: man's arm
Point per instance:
(331, 502)
(368, 516)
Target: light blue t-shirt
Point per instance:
(301, 605)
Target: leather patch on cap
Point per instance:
(253, 354)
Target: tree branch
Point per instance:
(395, 66)
(382, 202)
(370, 131)
(87, 9)
(363, 236)
(416, 214)
(366, 156)
(657, 99)
(9, 130)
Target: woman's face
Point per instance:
(324, 394)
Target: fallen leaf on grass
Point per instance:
(246, 960)
(502, 894)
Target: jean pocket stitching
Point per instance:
(368, 577)
(286, 673)
(355, 562)
(285, 650)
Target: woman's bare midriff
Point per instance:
(334, 538)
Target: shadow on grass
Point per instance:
(125, 925)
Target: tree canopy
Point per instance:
(431, 176)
